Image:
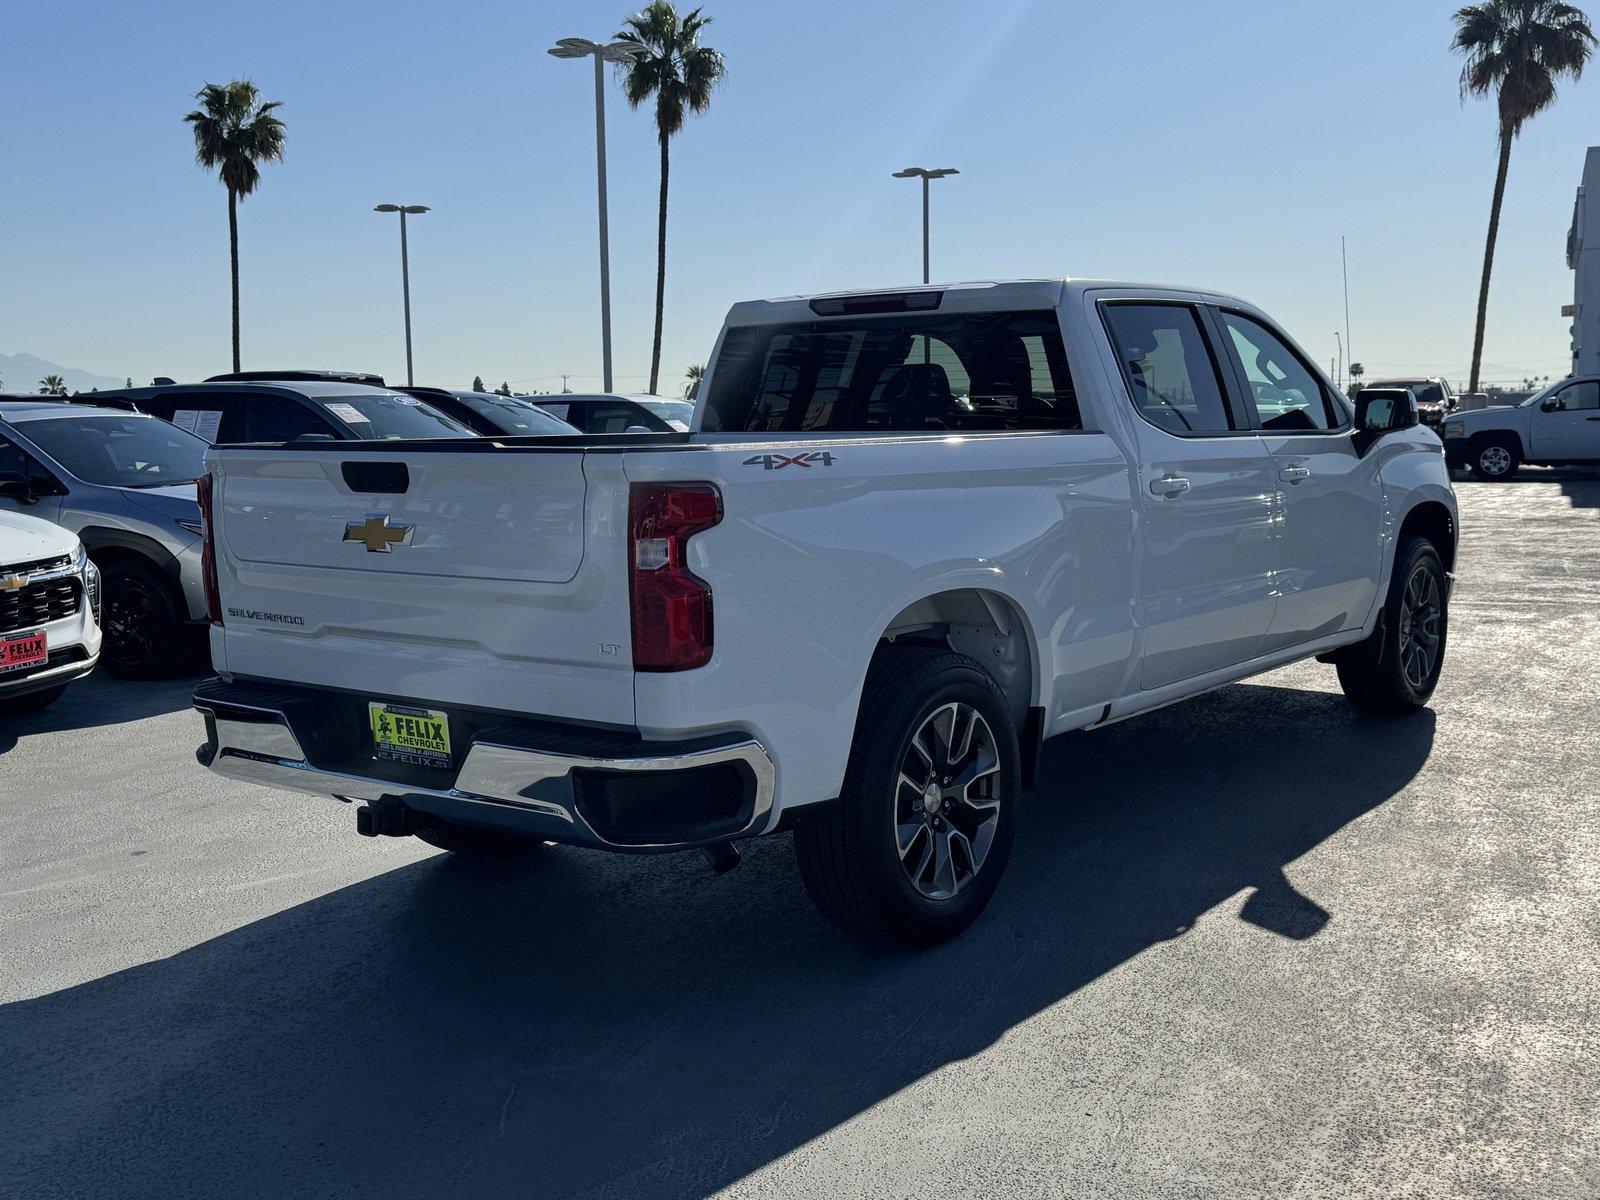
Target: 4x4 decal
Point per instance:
(776, 462)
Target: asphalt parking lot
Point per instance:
(1254, 945)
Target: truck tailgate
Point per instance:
(484, 579)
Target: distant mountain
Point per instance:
(22, 372)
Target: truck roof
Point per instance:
(983, 295)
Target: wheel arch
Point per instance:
(984, 624)
(108, 546)
(1432, 520)
(1498, 437)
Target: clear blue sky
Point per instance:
(1224, 145)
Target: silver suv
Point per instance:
(124, 483)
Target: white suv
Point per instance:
(49, 612)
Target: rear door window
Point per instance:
(1168, 366)
(215, 418)
(972, 372)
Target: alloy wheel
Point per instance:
(1421, 627)
(132, 614)
(1494, 460)
(947, 800)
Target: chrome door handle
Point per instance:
(1294, 474)
(1169, 486)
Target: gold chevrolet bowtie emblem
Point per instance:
(13, 583)
(377, 534)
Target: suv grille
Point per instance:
(37, 603)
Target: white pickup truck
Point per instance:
(911, 535)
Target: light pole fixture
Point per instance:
(405, 270)
(602, 53)
(924, 174)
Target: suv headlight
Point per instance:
(1455, 429)
(90, 574)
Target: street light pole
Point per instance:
(924, 174)
(405, 271)
(616, 52)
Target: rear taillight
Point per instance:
(671, 605)
(208, 549)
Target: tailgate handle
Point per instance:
(391, 478)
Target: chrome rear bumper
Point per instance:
(522, 789)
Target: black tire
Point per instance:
(479, 843)
(31, 702)
(1383, 674)
(144, 629)
(1496, 459)
(849, 854)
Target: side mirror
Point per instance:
(14, 486)
(1553, 404)
(1378, 413)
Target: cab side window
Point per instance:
(217, 418)
(280, 419)
(1168, 367)
(1285, 394)
(1580, 397)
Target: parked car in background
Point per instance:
(1436, 399)
(292, 376)
(124, 483)
(677, 413)
(283, 410)
(49, 609)
(493, 415)
(1560, 424)
(915, 534)
(607, 413)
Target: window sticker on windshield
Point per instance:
(348, 412)
(408, 401)
(200, 422)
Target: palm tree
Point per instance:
(694, 373)
(1517, 50)
(234, 132)
(681, 74)
(52, 385)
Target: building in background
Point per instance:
(1583, 256)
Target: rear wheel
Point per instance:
(1396, 669)
(144, 631)
(915, 846)
(1496, 460)
(478, 843)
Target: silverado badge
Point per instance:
(377, 534)
(13, 583)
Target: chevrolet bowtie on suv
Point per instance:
(49, 612)
(910, 535)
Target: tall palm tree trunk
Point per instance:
(233, 261)
(661, 269)
(1488, 252)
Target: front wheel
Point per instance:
(915, 846)
(1497, 460)
(144, 631)
(1396, 669)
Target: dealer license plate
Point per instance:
(21, 650)
(419, 736)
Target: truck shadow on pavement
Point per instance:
(101, 699)
(593, 1026)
